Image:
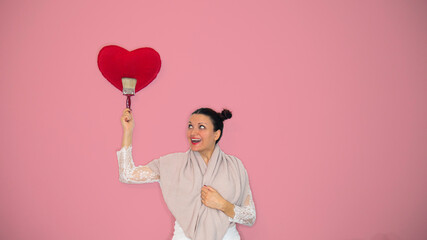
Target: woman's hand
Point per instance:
(211, 198)
(127, 124)
(127, 121)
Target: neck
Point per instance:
(207, 154)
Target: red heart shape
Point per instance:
(115, 62)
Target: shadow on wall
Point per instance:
(385, 236)
(381, 236)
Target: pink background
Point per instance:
(329, 101)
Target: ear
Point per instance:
(217, 134)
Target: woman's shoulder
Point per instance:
(234, 159)
(230, 156)
(174, 156)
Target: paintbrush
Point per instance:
(128, 89)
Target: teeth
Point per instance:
(196, 140)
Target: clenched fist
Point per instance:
(127, 121)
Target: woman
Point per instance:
(206, 190)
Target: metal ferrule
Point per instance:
(129, 91)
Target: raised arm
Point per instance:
(128, 173)
(128, 124)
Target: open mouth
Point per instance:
(195, 140)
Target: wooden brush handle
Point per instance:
(128, 103)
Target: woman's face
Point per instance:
(201, 134)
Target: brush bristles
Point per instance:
(128, 86)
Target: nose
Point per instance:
(193, 132)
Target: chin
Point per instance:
(194, 148)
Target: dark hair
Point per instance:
(216, 118)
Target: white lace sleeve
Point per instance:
(128, 173)
(245, 214)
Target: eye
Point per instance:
(202, 127)
(190, 126)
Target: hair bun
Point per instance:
(225, 114)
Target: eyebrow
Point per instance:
(199, 122)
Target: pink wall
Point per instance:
(329, 102)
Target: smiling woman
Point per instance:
(205, 130)
(206, 190)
